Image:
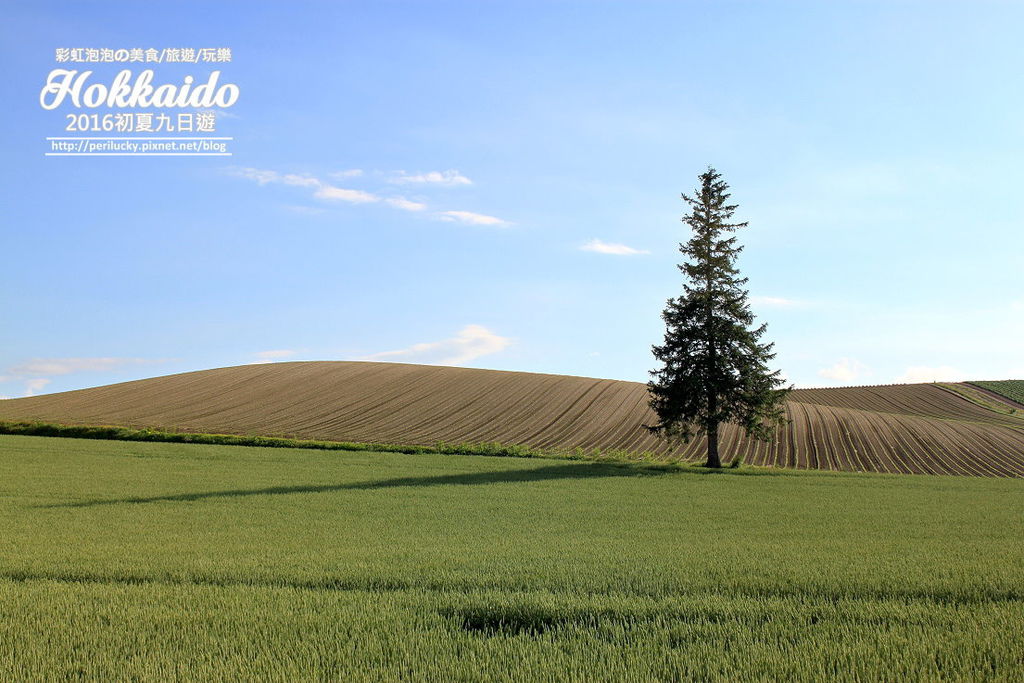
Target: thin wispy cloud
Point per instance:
(450, 178)
(328, 192)
(470, 343)
(846, 370)
(264, 177)
(258, 175)
(601, 247)
(471, 218)
(322, 190)
(35, 373)
(299, 180)
(406, 204)
(66, 366)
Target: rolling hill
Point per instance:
(917, 428)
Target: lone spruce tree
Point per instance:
(714, 368)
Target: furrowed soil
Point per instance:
(921, 428)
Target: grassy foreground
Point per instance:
(141, 561)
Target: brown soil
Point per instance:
(917, 428)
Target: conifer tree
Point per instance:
(714, 367)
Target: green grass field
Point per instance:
(137, 561)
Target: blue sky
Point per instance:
(497, 185)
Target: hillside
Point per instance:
(922, 428)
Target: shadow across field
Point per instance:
(580, 471)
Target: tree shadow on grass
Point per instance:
(566, 471)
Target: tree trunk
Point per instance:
(713, 460)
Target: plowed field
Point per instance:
(920, 428)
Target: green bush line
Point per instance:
(114, 433)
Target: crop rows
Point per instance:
(1012, 389)
(922, 428)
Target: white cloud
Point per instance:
(66, 366)
(326, 191)
(263, 176)
(341, 194)
(260, 176)
(451, 178)
(845, 370)
(323, 190)
(300, 180)
(919, 374)
(470, 218)
(601, 247)
(34, 386)
(405, 204)
(30, 371)
(272, 356)
(470, 343)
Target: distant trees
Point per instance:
(714, 368)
